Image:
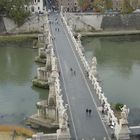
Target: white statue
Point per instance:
(94, 61)
(63, 120)
(125, 112)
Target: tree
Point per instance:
(126, 7)
(109, 4)
(99, 5)
(84, 4)
(15, 9)
(102, 5)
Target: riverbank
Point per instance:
(17, 37)
(111, 33)
(8, 132)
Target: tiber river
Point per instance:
(17, 69)
(118, 64)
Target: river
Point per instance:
(17, 69)
(118, 59)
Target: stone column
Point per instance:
(51, 109)
(63, 133)
(41, 109)
(122, 130)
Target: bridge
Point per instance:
(73, 88)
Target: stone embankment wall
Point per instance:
(91, 22)
(34, 23)
(2, 26)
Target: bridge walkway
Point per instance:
(76, 88)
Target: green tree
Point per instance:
(15, 9)
(84, 4)
(126, 7)
(99, 5)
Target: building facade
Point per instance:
(36, 6)
(135, 4)
(68, 5)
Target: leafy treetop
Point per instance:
(15, 9)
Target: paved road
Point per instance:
(78, 93)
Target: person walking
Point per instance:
(90, 111)
(86, 111)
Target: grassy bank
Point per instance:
(17, 37)
(111, 33)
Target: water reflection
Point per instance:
(119, 67)
(17, 69)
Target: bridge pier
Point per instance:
(122, 131)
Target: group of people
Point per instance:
(88, 111)
(73, 71)
(56, 22)
(57, 29)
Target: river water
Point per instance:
(118, 59)
(17, 69)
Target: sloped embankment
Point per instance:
(2, 26)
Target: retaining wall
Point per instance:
(90, 22)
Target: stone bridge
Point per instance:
(73, 89)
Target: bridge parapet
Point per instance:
(54, 108)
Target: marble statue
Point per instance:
(94, 61)
(125, 112)
(63, 120)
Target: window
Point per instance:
(38, 8)
(38, 0)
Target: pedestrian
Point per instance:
(90, 111)
(86, 111)
(58, 29)
(71, 69)
(74, 72)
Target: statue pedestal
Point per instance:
(63, 134)
(124, 132)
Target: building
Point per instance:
(68, 5)
(36, 6)
(117, 5)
